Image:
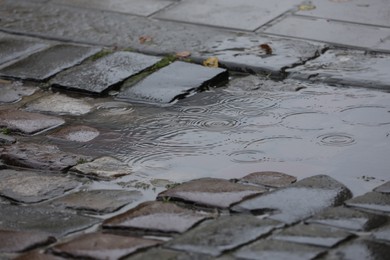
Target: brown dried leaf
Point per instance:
(306, 7)
(183, 54)
(211, 62)
(145, 39)
(266, 48)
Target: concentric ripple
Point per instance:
(336, 139)
(309, 121)
(250, 156)
(366, 115)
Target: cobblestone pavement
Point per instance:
(73, 74)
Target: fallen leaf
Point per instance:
(211, 62)
(145, 39)
(183, 54)
(306, 7)
(266, 48)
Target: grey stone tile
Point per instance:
(244, 15)
(100, 75)
(42, 157)
(358, 11)
(103, 246)
(372, 201)
(28, 123)
(270, 179)
(211, 192)
(136, 7)
(17, 241)
(161, 253)
(225, 233)
(37, 255)
(335, 32)
(384, 188)
(42, 219)
(315, 235)
(46, 63)
(11, 92)
(347, 67)
(347, 218)
(30, 187)
(273, 249)
(173, 82)
(78, 133)
(13, 48)
(156, 216)
(298, 201)
(382, 233)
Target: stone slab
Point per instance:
(225, 233)
(334, 32)
(211, 192)
(382, 233)
(31, 187)
(315, 235)
(103, 168)
(18, 241)
(46, 63)
(12, 48)
(11, 92)
(358, 11)
(42, 157)
(37, 255)
(347, 67)
(103, 246)
(6, 140)
(347, 218)
(42, 219)
(156, 216)
(228, 13)
(161, 253)
(99, 76)
(269, 179)
(298, 201)
(372, 201)
(28, 123)
(59, 104)
(78, 133)
(274, 249)
(384, 188)
(136, 7)
(173, 82)
(97, 201)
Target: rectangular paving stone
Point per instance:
(335, 32)
(374, 12)
(18, 241)
(243, 15)
(105, 72)
(173, 82)
(46, 63)
(136, 7)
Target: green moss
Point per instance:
(82, 160)
(100, 54)
(5, 131)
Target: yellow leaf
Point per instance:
(307, 7)
(211, 62)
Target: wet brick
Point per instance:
(31, 187)
(225, 233)
(103, 246)
(156, 216)
(44, 64)
(211, 192)
(372, 201)
(97, 201)
(174, 81)
(28, 123)
(299, 200)
(100, 75)
(18, 241)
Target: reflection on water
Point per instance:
(228, 134)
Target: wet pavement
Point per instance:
(121, 139)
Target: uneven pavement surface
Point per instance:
(177, 129)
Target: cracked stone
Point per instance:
(274, 249)
(298, 201)
(160, 253)
(105, 72)
(18, 241)
(156, 216)
(225, 233)
(384, 188)
(59, 104)
(46, 63)
(103, 246)
(55, 223)
(270, 179)
(80, 133)
(31, 187)
(11, 92)
(211, 192)
(372, 201)
(28, 123)
(104, 168)
(347, 218)
(315, 235)
(97, 201)
(36, 156)
(173, 82)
